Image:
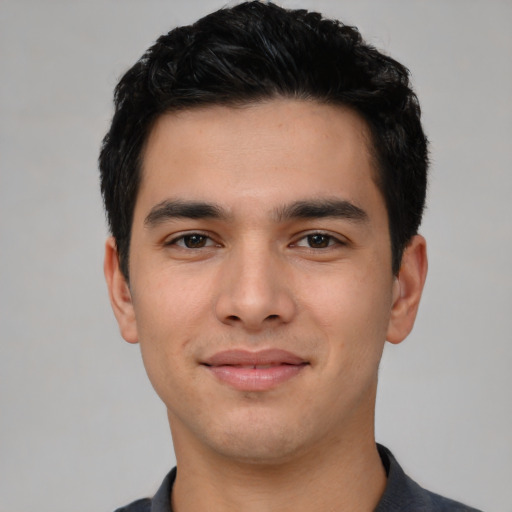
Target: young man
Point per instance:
(264, 179)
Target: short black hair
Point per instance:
(256, 51)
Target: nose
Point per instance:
(255, 292)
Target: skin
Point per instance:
(259, 277)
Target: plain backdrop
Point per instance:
(80, 426)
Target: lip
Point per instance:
(255, 371)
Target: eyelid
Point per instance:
(338, 240)
(335, 239)
(177, 237)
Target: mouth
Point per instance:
(255, 371)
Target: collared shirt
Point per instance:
(402, 494)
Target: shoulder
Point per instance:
(161, 501)
(143, 505)
(443, 504)
(404, 494)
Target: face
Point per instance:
(261, 289)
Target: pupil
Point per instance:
(318, 241)
(194, 241)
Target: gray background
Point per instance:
(80, 427)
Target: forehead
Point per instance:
(271, 151)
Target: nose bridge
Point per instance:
(254, 290)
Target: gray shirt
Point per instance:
(401, 495)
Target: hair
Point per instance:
(257, 51)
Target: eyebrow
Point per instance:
(176, 209)
(304, 209)
(322, 208)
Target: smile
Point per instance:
(254, 371)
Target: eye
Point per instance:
(318, 241)
(192, 241)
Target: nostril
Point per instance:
(272, 317)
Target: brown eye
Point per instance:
(319, 241)
(195, 241)
(192, 241)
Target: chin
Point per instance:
(260, 441)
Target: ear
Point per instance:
(119, 292)
(407, 289)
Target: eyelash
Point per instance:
(331, 240)
(181, 241)
(182, 238)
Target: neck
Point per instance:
(347, 475)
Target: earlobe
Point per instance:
(407, 290)
(119, 292)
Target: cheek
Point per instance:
(352, 309)
(167, 303)
(166, 334)
(168, 317)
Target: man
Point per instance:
(264, 179)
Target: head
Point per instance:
(264, 177)
(256, 52)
